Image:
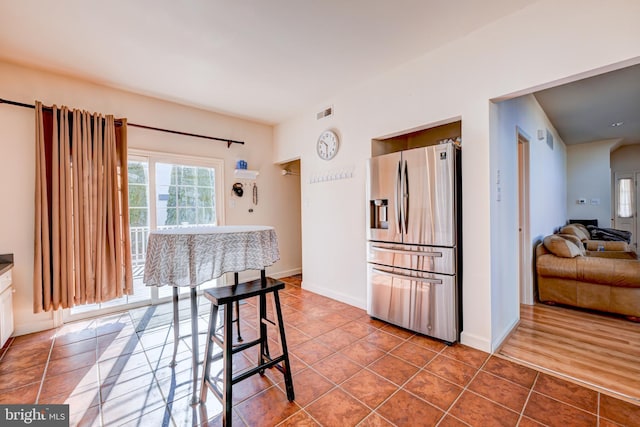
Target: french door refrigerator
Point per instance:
(414, 240)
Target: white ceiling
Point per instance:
(583, 111)
(259, 59)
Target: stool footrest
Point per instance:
(246, 374)
(239, 347)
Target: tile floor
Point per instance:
(348, 370)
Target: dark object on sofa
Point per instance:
(585, 222)
(598, 233)
(584, 236)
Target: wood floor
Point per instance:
(600, 352)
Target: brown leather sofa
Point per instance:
(606, 281)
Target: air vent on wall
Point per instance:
(324, 113)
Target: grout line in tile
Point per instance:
(465, 388)
(46, 367)
(526, 402)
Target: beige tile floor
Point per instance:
(347, 369)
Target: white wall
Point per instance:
(548, 41)
(626, 158)
(278, 195)
(589, 177)
(547, 196)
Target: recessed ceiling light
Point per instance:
(616, 124)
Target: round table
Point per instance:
(190, 256)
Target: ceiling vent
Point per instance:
(324, 113)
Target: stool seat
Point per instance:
(226, 296)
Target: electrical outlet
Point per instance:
(581, 201)
(595, 202)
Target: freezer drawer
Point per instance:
(418, 301)
(422, 258)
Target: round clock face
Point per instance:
(327, 145)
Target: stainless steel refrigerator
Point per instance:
(414, 240)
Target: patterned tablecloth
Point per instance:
(194, 255)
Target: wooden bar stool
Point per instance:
(226, 296)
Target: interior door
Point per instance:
(626, 203)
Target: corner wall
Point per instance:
(502, 60)
(278, 195)
(547, 198)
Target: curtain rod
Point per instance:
(119, 122)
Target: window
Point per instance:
(165, 191)
(625, 198)
(186, 195)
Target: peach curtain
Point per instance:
(82, 243)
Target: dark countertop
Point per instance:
(6, 263)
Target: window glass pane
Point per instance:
(187, 216)
(167, 217)
(138, 217)
(206, 197)
(624, 198)
(186, 195)
(188, 176)
(206, 216)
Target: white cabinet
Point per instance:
(6, 307)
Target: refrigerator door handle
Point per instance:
(406, 198)
(405, 252)
(398, 189)
(402, 277)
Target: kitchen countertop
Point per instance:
(6, 263)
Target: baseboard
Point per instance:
(338, 296)
(33, 326)
(475, 341)
(286, 273)
(248, 275)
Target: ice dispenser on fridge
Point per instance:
(378, 213)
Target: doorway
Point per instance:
(524, 238)
(291, 185)
(627, 197)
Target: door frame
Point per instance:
(525, 265)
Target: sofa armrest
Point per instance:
(550, 265)
(609, 245)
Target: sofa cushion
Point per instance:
(607, 245)
(576, 241)
(577, 230)
(559, 246)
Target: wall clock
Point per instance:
(328, 144)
